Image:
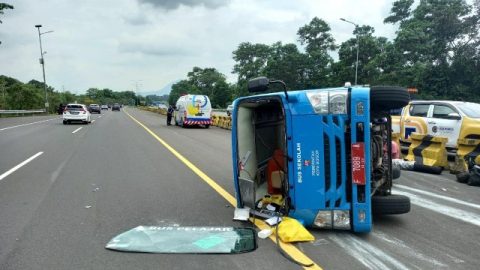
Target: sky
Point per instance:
(144, 45)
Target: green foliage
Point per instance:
(437, 50)
(400, 11)
(251, 60)
(207, 81)
(15, 95)
(288, 64)
(4, 6)
(316, 36)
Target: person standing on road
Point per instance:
(169, 115)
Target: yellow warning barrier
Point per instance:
(468, 149)
(227, 124)
(428, 150)
(214, 120)
(221, 120)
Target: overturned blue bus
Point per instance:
(322, 156)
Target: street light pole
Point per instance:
(42, 62)
(136, 90)
(358, 45)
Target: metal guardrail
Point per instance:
(21, 111)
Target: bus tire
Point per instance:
(390, 205)
(386, 98)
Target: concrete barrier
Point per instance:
(428, 150)
(215, 119)
(468, 153)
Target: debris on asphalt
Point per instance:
(96, 189)
(186, 240)
(273, 221)
(263, 234)
(271, 207)
(291, 230)
(241, 214)
(88, 206)
(320, 242)
(444, 189)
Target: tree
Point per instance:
(432, 40)
(319, 42)
(210, 82)
(286, 63)
(203, 81)
(371, 60)
(251, 60)
(4, 6)
(180, 88)
(316, 36)
(399, 12)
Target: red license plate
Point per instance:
(358, 163)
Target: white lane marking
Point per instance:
(100, 117)
(446, 198)
(7, 173)
(75, 131)
(28, 124)
(406, 249)
(370, 256)
(93, 120)
(456, 213)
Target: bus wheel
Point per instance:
(390, 205)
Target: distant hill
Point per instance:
(164, 91)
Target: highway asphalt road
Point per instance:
(128, 178)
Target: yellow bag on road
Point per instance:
(290, 230)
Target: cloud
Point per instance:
(114, 42)
(174, 4)
(154, 49)
(137, 20)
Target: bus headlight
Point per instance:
(324, 102)
(341, 219)
(336, 219)
(323, 219)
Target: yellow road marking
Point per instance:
(290, 249)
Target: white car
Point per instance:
(76, 113)
(229, 109)
(163, 106)
(104, 107)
